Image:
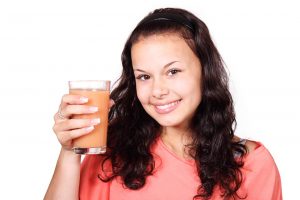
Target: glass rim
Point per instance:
(89, 84)
(89, 81)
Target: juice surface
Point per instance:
(99, 98)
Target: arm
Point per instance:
(65, 181)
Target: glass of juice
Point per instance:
(97, 92)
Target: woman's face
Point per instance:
(168, 78)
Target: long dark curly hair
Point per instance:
(132, 132)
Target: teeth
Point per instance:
(163, 107)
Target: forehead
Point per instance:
(163, 37)
(159, 47)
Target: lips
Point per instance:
(166, 108)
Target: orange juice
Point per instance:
(95, 141)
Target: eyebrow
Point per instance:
(166, 66)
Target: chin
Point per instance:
(169, 122)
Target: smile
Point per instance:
(166, 108)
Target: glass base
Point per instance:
(93, 150)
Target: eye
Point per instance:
(143, 77)
(171, 72)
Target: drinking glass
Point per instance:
(97, 92)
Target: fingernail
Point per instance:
(90, 128)
(93, 109)
(95, 121)
(83, 99)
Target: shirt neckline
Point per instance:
(185, 161)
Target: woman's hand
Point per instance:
(67, 129)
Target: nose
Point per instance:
(159, 89)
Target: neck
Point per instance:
(177, 139)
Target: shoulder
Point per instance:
(258, 158)
(257, 155)
(251, 145)
(259, 163)
(260, 171)
(256, 151)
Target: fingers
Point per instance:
(66, 128)
(65, 111)
(70, 129)
(75, 124)
(72, 104)
(67, 136)
(70, 110)
(73, 99)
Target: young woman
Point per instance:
(171, 127)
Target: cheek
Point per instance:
(142, 93)
(191, 87)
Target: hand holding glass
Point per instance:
(97, 93)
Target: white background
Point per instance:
(43, 44)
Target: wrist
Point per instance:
(69, 156)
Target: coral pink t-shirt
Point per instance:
(177, 179)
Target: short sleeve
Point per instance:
(261, 176)
(91, 187)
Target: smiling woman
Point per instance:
(171, 127)
(168, 77)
